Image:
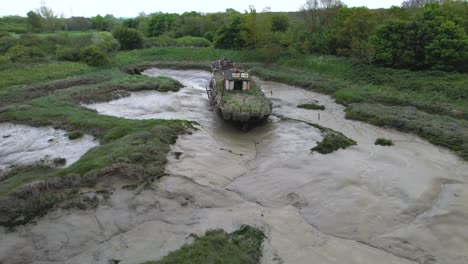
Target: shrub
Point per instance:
(128, 38)
(93, 56)
(106, 42)
(4, 34)
(193, 42)
(38, 42)
(383, 142)
(20, 53)
(6, 43)
(67, 54)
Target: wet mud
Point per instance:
(22, 145)
(364, 204)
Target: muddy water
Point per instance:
(365, 204)
(25, 145)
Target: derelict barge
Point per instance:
(235, 95)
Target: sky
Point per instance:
(131, 8)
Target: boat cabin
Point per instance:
(237, 80)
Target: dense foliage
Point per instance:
(128, 38)
(421, 34)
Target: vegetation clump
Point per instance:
(383, 142)
(74, 135)
(243, 246)
(94, 56)
(333, 142)
(133, 149)
(312, 106)
(128, 38)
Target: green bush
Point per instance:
(38, 42)
(106, 42)
(128, 38)
(67, 54)
(193, 42)
(94, 56)
(20, 53)
(4, 34)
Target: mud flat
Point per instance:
(364, 204)
(26, 145)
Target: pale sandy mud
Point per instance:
(26, 145)
(365, 204)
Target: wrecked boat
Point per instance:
(235, 95)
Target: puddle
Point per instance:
(365, 204)
(26, 145)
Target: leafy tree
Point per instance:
(419, 3)
(255, 28)
(50, 21)
(128, 38)
(35, 21)
(280, 22)
(320, 13)
(78, 23)
(396, 44)
(352, 25)
(106, 23)
(161, 23)
(431, 40)
(229, 35)
(131, 23)
(99, 23)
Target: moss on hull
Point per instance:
(243, 246)
(241, 106)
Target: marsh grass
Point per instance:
(333, 142)
(243, 246)
(436, 95)
(133, 149)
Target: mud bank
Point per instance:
(25, 145)
(364, 204)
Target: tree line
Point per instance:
(419, 34)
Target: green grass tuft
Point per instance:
(311, 106)
(383, 142)
(74, 135)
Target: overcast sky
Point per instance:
(131, 8)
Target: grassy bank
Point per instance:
(133, 149)
(243, 246)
